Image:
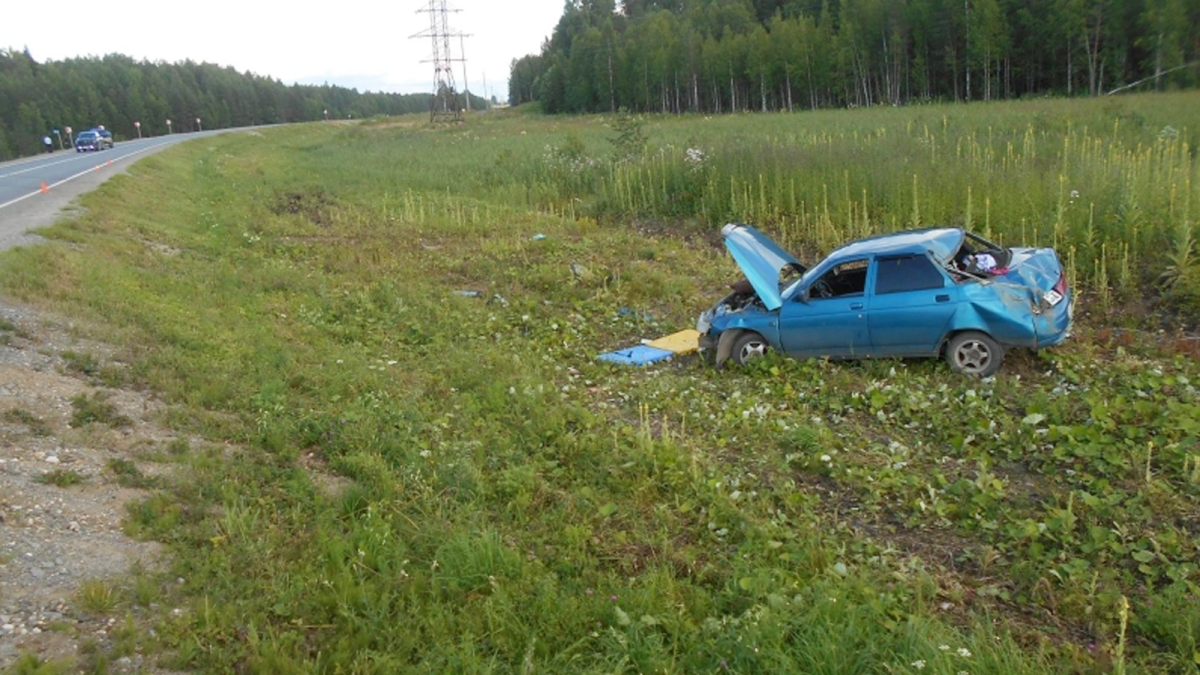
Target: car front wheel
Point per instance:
(974, 353)
(748, 347)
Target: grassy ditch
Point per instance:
(435, 482)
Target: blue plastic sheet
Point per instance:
(640, 355)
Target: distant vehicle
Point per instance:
(937, 292)
(93, 139)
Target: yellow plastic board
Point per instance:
(683, 342)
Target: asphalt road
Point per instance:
(66, 174)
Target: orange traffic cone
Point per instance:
(44, 188)
(110, 162)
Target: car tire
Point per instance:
(974, 353)
(748, 347)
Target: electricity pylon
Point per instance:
(447, 107)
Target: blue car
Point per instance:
(940, 292)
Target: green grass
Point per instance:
(83, 363)
(36, 425)
(30, 664)
(514, 505)
(97, 596)
(62, 478)
(96, 408)
(129, 475)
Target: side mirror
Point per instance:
(802, 296)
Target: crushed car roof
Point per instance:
(942, 241)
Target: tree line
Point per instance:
(117, 92)
(715, 56)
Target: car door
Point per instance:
(832, 322)
(912, 301)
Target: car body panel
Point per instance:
(761, 260)
(1008, 321)
(912, 323)
(891, 295)
(941, 242)
(824, 327)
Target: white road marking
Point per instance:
(22, 161)
(77, 156)
(81, 173)
(40, 166)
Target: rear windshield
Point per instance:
(975, 249)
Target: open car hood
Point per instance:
(761, 261)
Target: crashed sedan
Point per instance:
(941, 292)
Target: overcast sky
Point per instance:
(353, 43)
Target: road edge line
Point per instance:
(71, 178)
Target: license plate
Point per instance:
(1052, 297)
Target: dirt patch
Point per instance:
(684, 230)
(314, 206)
(61, 502)
(409, 122)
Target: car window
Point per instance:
(907, 273)
(848, 278)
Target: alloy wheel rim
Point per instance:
(973, 356)
(753, 350)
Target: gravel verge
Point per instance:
(58, 539)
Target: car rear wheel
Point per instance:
(748, 347)
(974, 353)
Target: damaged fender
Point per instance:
(725, 344)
